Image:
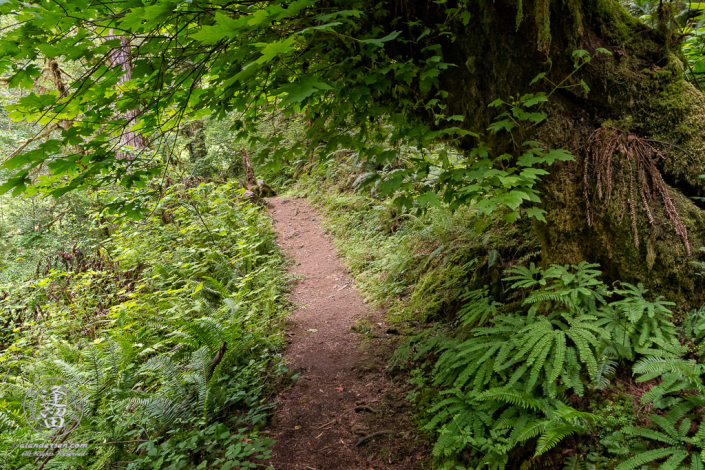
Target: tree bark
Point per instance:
(638, 96)
(250, 179)
(258, 187)
(121, 57)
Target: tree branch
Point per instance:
(37, 228)
(24, 143)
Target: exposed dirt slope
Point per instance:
(343, 394)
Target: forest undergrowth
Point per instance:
(169, 324)
(509, 359)
(169, 327)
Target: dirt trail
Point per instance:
(343, 393)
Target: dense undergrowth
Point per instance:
(169, 329)
(417, 266)
(508, 359)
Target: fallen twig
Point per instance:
(370, 436)
(329, 423)
(335, 420)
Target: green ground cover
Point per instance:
(169, 328)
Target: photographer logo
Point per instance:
(53, 407)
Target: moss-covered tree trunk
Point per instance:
(196, 132)
(638, 135)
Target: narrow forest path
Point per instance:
(342, 394)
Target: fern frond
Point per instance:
(69, 372)
(574, 463)
(478, 308)
(104, 455)
(650, 434)
(169, 372)
(642, 459)
(533, 428)
(586, 354)
(514, 397)
(569, 413)
(483, 375)
(521, 423)
(9, 420)
(217, 286)
(523, 276)
(200, 365)
(205, 331)
(559, 356)
(674, 461)
(678, 412)
(553, 435)
(607, 367)
(689, 371)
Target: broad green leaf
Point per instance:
(536, 213)
(504, 124)
(379, 42)
(558, 154)
(273, 49)
(224, 28)
(298, 91)
(531, 100)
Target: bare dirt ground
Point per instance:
(343, 412)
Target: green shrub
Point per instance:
(168, 328)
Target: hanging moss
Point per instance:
(659, 105)
(543, 24)
(520, 12)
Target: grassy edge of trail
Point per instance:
(415, 266)
(169, 328)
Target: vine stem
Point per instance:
(60, 442)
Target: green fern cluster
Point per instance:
(693, 330)
(506, 384)
(677, 440)
(523, 351)
(495, 421)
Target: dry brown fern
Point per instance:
(636, 157)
